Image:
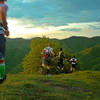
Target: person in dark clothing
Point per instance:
(60, 63)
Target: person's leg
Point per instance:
(2, 55)
(62, 65)
(43, 62)
(2, 71)
(48, 69)
(74, 68)
(71, 68)
(43, 65)
(58, 67)
(48, 66)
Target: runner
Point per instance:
(60, 65)
(3, 31)
(74, 62)
(47, 52)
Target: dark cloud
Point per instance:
(55, 12)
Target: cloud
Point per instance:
(96, 26)
(25, 28)
(53, 18)
(55, 12)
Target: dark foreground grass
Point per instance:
(77, 86)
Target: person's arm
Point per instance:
(70, 60)
(76, 61)
(42, 52)
(56, 55)
(52, 52)
(3, 11)
(63, 55)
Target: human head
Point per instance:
(61, 49)
(74, 56)
(49, 45)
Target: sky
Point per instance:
(53, 18)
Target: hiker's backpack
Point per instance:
(47, 52)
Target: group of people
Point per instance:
(47, 56)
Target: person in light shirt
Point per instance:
(73, 61)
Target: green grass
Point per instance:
(83, 85)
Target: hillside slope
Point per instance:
(16, 49)
(77, 44)
(77, 86)
(90, 58)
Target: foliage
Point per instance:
(16, 49)
(91, 59)
(32, 62)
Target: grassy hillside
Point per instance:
(16, 49)
(77, 44)
(90, 58)
(77, 86)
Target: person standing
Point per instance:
(3, 32)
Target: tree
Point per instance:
(32, 61)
